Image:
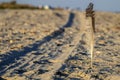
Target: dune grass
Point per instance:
(14, 5)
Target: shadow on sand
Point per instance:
(12, 56)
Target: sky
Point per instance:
(100, 5)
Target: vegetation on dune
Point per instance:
(14, 5)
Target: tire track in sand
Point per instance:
(68, 51)
(20, 59)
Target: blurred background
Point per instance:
(100, 5)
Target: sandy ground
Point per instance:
(36, 43)
(17, 28)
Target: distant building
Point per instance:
(46, 7)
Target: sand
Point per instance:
(36, 42)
